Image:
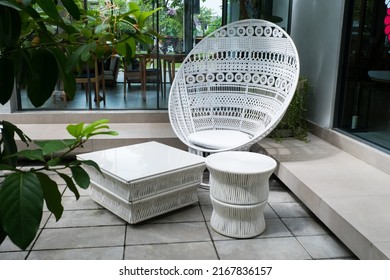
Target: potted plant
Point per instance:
(41, 43)
(293, 123)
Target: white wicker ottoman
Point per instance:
(239, 191)
(144, 180)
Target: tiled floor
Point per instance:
(88, 231)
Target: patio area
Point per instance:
(87, 231)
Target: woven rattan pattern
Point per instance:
(241, 77)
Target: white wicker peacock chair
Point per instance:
(234, 87)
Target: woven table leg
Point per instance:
(238, 221)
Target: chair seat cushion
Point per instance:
(218, 139)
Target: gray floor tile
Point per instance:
(166, 233)
(8, 246)
(281, 196)
(204, 198)
(290, 210)
(14, 255)
(304, 226)
(83, 237)
(285, 248)
(83, 203)
(176, 251)
(274, 228)
(82, 218)
(207, 211)
(82, 192)
(190, 213)
(324, 247)
(269, 213)
(106, 253)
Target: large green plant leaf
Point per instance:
(8, 143)
(80, 176)
(75, 129)
(10, 27)
(72, 8)
(91, 163)
(67, 77)
(70, 184)
(54, 146)
(127, 48)
(10, 4)
(3, 235)
(134, 9)
(44, 77)
(144, 16)
(50, 8)
(7, 74)
(51, 195)
(11, 127)
(32, 154)
(21, 206)
(9, 147)
(82, 53)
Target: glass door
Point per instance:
(181, 23)
(365, 81)
(276, 11)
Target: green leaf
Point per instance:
(91, 163)
(134, 8)
(44, 76)
(10, 27)
(67, 78)
(9, 146)
(7, 74)
(3, 235)
(7, 167)
(80, 176)
(72, 8)
(9, 4)
(50, 8)
(11, 127)
(70, 184)
(21, 206)
(32, 154)
(80, 54)
(75, 129)
(51, 195)
(112, 133)
(101, 28)
(92, 126)
(54, 146)
(127, 48)
(145, 15)
(54, 162)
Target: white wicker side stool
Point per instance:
(239, 192)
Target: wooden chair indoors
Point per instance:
(137, 72)
(96, 78)
(111, 70)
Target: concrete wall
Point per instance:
(316, 28)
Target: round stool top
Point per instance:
(240, 162)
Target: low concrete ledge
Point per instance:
(129, 133)
(350, 196)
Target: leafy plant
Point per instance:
(294, 123)
(44, 40)
(41, 42)
(23, 192)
